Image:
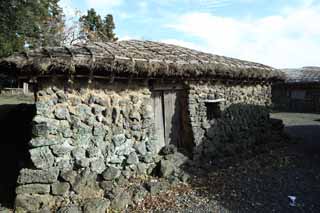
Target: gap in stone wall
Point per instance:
(15, 128)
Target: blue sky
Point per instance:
(280, 33)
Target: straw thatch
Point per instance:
(302, 75)
(135, 59)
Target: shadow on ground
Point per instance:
(15, 127)
(262, 182)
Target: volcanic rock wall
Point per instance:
(84, 137)
(243, 120)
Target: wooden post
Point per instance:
(25, 88)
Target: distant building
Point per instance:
(300, 92)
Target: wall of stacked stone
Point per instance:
(244, 117)
(85, 136)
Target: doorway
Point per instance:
(15, 125)
(171, 117)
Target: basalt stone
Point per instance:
(97, 110)
(142, 168)
(125, 148)
(119, 139)
(62, 97)
(157, 187)
(70, 209)
(123, 180)
(64, 163)
(166, 168)
(42, 157)
(90, 121)
(62, 149)
(43, 108)
(33, 189)
(63, 125)
(52, 125)
(115, 159)
(82, 163)
(178, 159)
(98, 165)
(86, 185)
(107, 185)
(60, 188)
(102, 102)
(33, 203)
(135, 115)
(168, 149)
(121, 201)
(62, 113)
(127, 173)
(82, 141)
(40, 129)
(75, 101)
(138, 194)
(49, 91)
(147, 112)
(79, 153)
(146, 123)
(132, 158)
(96, 205)
(93, 152)
(154, 146)
(48, 141)
(148, 158)
(140, 148)
(111, 173)
(99, 130)
(67, 133)
(136, 134)
(69, 176)
(83, 111)
(38, 176)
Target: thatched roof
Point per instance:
(303, 75)
(136, 59)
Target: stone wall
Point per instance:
(90, 140)
(84, 138)
(283, 98)
(243, 121)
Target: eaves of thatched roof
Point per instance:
(303, 75)
(137, 59)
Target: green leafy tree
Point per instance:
(93, 28)
(29, 24)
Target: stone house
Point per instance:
(107, 109)
(300, 92)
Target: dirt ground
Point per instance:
(302, 126)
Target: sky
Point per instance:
(279, 33)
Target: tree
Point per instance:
(29, 24)
(108, 28)
(93, 28)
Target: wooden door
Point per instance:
(171, 116)
(158, 116)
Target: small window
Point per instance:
(213, 111)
